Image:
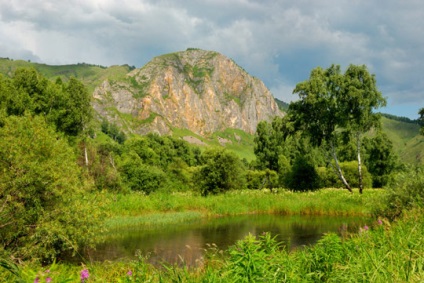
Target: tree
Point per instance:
(381, 160)
(318, 112)
(221, 171)
(421, 120)
(266, 147)
(359, 98)
(45, 212)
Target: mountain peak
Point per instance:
(202, 91)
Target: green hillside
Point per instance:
(407, 141)
(91, 75)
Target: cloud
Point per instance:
(276, 41)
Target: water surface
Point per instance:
(188, 241)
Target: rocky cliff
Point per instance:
(202, 91)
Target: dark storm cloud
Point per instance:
(277, 41)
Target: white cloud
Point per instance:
(277, 41)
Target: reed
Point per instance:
(379, 252)
(139, 209)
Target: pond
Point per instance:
(188, 241)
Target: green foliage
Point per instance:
(421, 120)
(318, 262)
(220, 171)
(267, 149)
(329, 179)
(141, 177)
(259, 179)
(67, 106)
(381, 160)
(404, 192)
(303, 175)
(43, 207)
(255, 260)
(113, 131)
(331, 102)
(102, 165)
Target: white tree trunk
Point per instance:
(338, 169)
(85, 154)
(358, 147)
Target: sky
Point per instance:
(278, 41)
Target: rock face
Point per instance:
(202, 91)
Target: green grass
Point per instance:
(379, 252)
(407, 142)
(91, 75)
(139, 209)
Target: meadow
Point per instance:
(138, 209)
(381, 251)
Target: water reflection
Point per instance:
(188, 241)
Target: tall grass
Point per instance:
(138, 209)
(379, 252)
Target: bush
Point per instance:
(44, 210)
(257, 180)
(221, 171)
(303, 176)
(404, 192)
(255, 260)
(329, 179)
(141, 177)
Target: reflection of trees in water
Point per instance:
(304, 234)
(190, 241)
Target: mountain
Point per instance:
(201, 91)
(198, 95)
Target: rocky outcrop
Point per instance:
(202, 91)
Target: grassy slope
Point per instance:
(91, 75)
(406, 139)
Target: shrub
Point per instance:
(303, 176)
(45, 211)
(404, 192)
(329, 179)
(259, 179)
(221, 171)
(141, 177)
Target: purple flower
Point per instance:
(129, 273)
(380, 222)
(48, 280)
(366, 228)
(37, 280)
(84, 275)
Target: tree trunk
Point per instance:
(338, 169)
(85, 154)
(358, 147)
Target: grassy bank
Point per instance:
(158, 209)
(379, 252)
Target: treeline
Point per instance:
(400, 118)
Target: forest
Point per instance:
(63, 168)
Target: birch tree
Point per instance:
(359, 98)
(317, 113)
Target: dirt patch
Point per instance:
(193, 140)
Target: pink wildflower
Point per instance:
(84, 275)
(37, 280)
(129, 273)
(380, 222)
(366, 228)
(48, 280)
